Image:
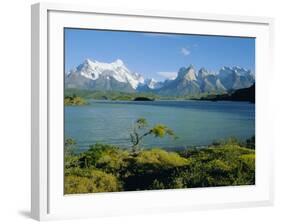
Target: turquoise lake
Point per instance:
(195, 123)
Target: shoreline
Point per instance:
(164, 100)
(169, 149)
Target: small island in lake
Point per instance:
(141, 98)
(74, 101)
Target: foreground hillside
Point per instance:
(106, 168)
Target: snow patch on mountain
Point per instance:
(94, 70)
(153, 84)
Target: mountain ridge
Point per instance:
(115, 76)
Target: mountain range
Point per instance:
(115, 76)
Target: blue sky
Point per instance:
(156, 55)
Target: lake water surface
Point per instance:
(195, 123)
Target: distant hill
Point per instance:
(246, 94)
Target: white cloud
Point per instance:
(168, 75)
(185, 51)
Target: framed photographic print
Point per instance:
(148, 111)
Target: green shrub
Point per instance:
(219, 165)
(71, 161)
(160, 158)
(152, 169)
(157, 185)
(251, 143)
(113, 161)
(89, 158)
(93, 181)
(69, 146)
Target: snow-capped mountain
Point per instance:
(235, 78)
(103, 76)
(153, 84)
(188, 82)
(116, 76)
(149, 85)
(185, 83)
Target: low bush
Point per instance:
(106, 168)
(90, 181)
(160, 158)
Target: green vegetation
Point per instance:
(109, 95)
(74, 100)
(130, 96)
(90, 181)
(107, 168)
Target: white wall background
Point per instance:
(15, 110)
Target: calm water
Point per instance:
(195, 123)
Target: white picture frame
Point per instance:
(47, 199)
